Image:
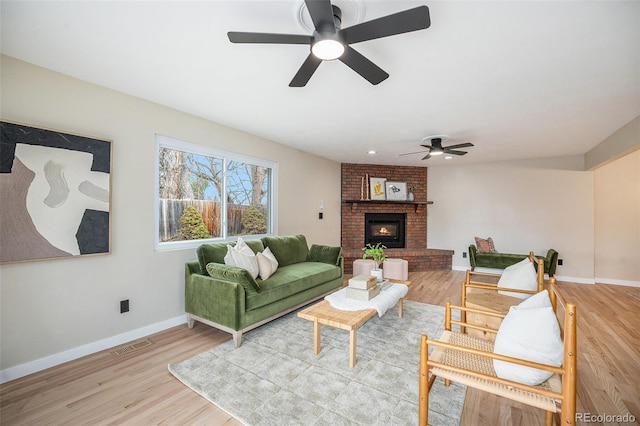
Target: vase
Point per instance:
(410, 196)
(378, 274)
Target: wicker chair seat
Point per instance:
(483, 365)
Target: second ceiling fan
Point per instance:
(436, 147)
(329, 41)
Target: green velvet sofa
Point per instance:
(502, 260)
(230, 299)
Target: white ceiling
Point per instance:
(518, 79)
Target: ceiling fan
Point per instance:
(329, 41)
(436, 147)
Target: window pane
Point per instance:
(190, 203)
(248, 199)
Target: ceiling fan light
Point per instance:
(327, 49)
(436, 152)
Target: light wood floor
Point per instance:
(136, 388)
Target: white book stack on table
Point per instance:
(362, 287)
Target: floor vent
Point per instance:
(131, 347)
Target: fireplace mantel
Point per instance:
(354, 203)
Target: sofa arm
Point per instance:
(551, 262)
(472, 256)
(216, 300)
(325, 254)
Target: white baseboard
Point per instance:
(579, 280)
(31, 367)
(618, 282)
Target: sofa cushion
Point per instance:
(292, 279)
(288, 249)
(216, 252)
(233, 274)
(325, 254)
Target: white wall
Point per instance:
(524, 206)
(56, 310)
(617, 216)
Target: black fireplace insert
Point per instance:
(385, 228)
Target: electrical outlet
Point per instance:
(559, 262)
(124, 306)
(464, 254)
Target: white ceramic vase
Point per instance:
(378, 274)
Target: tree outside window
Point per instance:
(193, 180)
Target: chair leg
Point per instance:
(424, 385)
(548, 418)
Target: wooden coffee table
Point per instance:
(323, 313)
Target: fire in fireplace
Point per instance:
(385, 228)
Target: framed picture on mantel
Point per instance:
(377, 188)
(397, 191)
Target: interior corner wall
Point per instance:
(52, 307)
(617, 216)
(523, 205)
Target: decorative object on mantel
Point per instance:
(397, 191)
(378, 188)
(378, 255)
(55, 192)
(411, 189)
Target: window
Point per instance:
(207, 194)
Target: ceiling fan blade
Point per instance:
(454, 152)
(427, 146)
(397, 23)
(367, 69)
(321, 14)
(305, 72)
(460, 145)
(410, 153)
(426, 157)
(240, 37)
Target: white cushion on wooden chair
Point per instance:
(529, 331)
(521, 276)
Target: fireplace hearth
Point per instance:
(385, 228)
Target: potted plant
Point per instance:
(378, 255)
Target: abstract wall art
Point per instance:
(55, 194)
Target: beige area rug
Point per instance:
(275, 379)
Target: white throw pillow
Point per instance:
(530, 333)
(521, 276)
(228, 258)
(243, 257)
(539, 300)
(265, 266)
(272, 258)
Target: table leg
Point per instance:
(316, 337)
(352, 347)
(400, 308)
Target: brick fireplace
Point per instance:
(354, 212)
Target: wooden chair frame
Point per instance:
(559, 399)
(489, 299)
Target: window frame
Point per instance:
(162, 141)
